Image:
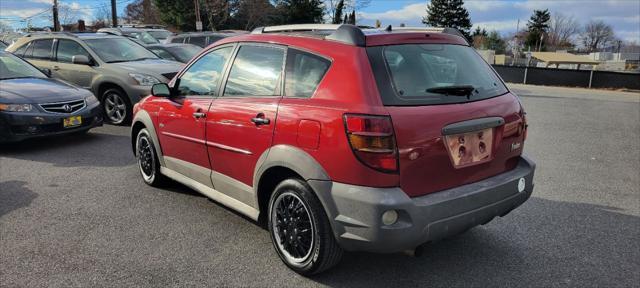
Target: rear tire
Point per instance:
(300, 229)
(148, 163)
(116, 106)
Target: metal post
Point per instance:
(198, 20)
(56, 21)
(114, 14)
(590, 78)
(526, 69)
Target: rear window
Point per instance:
(421, 74)
(41, 49)
(198, 40)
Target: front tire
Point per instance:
(300, 230)
(117, 107)
(148, 163)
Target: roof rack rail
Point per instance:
(33, 33)
(348, 33)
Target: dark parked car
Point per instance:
(136, 34)
(175, 51)
(202, 39)
(33, 105)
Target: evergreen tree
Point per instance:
(178, 14)
(352, 18)
(493, 41)
(538, 26)
(301, 11)
(337, 15)
(449, 13)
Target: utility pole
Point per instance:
(56, 22)
(114, 14)
(198, 21)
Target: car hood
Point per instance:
(153, 66)
(38, 90)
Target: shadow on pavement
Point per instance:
(544, 243)
(14, 195)
(94, 149)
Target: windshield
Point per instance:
(14, 67)
(113, 50)
(423, 74)
(160, 34)
(145, 37)
(184, 53)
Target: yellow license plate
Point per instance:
(72, 121)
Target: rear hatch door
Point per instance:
(455, 122)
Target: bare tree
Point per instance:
(142, 11)
(4, 26)
(596, 35)
(101, 17)
(562, 31)
(349, 6)
(67, 15)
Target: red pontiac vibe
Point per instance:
(340, 138)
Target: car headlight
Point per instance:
(16, 107)
(144, 80)
(91, 99)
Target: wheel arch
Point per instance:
(278, 163)
(143, 120)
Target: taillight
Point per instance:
(372, 141)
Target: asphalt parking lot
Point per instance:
(74, 212)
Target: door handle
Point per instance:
(199, 115)
(55, 68)
(260, 119)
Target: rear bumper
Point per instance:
(16, 127)
(356, 211)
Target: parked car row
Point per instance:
(117, 70)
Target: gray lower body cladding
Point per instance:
(356, 211)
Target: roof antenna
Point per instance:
(388, 29)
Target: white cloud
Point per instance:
(408, 14)
(623, 15)
(499, 25)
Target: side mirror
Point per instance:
(46, 71)
(80, 59)
(161, 90)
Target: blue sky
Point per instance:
(501, 15)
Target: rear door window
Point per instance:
(256, 71)
(42, 49)
(424, 74)
(304, 73)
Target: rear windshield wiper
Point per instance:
(455, 90)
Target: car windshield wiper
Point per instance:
(144, 58)
(454, 90)
(18, 77)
